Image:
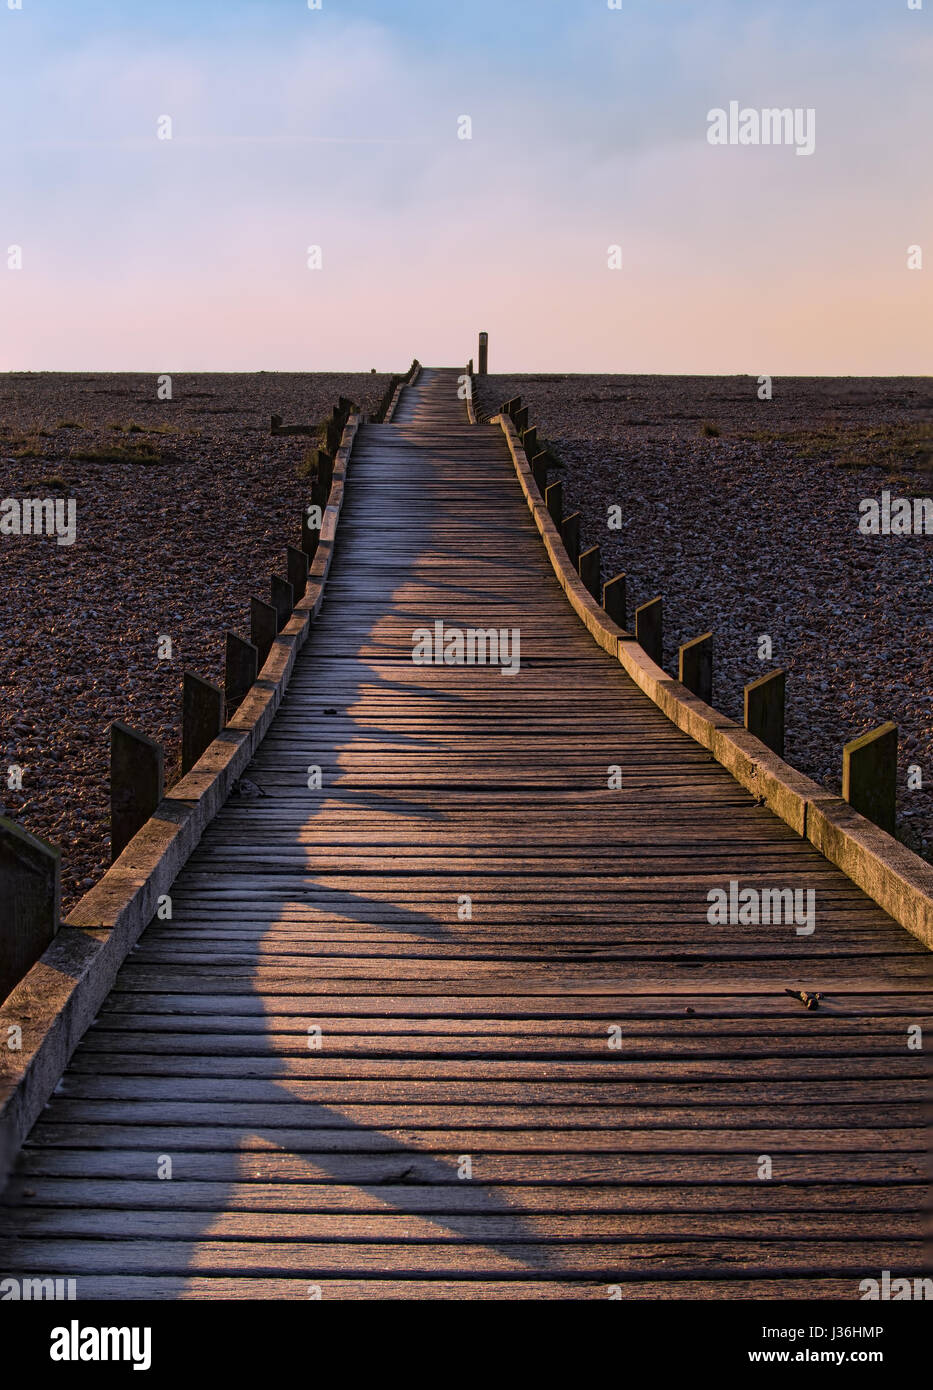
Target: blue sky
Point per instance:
(338, 128)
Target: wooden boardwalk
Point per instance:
(359, 1089)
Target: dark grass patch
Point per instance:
(133, 427)
(892, 448)
(27, 449)
(129, 453)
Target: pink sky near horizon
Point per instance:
(653, 332)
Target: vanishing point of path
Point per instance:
(454, 1024)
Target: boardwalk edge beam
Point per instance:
(898, 880)
(59, 997)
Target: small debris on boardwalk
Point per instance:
(244, 787)
(812, 1001)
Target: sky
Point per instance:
(340, 128)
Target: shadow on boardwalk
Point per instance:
(239, 1120)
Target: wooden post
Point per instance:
(202, 709)
(570, 535)
(325, 473)
(240, 672)
(137, 781)
(649, 629)
(764, 710)
(509, 407)
(614, 599)
(588, 570)
(319, 493)
(483, 353)
(30, 901)
(276, 424)
(539, 465)
(296, 564)
(530, 442)
(695, 667)
(469, 367)
(869, 775)
(263, 626)
(554, 501)
(310, 535)
(283, 601)
(520, 419)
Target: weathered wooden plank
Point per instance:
(571, 1126)
(686, 1259)
(768, 1200)
(738, 1097)
(376, 1044)
(627, 1004)
(485, 1224)
(603, 1169)
(176, 1137)
(715, 1068)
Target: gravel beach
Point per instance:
(744, 514)
(182, 516)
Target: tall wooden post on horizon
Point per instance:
(483, 354)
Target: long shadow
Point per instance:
(394, 1173)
